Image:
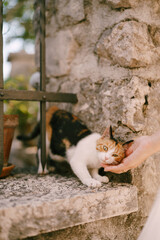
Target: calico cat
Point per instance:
(110, 151)
(67, 138)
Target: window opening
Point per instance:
(24, 95)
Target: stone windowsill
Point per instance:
(31, 205)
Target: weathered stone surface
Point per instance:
(121, 103)
(153, 108)
(129, 44)
(31, 205)
(122, 3)
(60, 52)
(52, 27)
(129, 96)
(85, 66)
(119, 85)
(155, 34)
(105, 229)
(69, 12)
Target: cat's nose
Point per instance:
(106, 158)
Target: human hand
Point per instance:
(139, 151)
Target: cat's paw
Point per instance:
(92, 183)
(103, 179)
(41, 171)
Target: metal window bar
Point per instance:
(42, 82)
(42, 96)
(1, 86)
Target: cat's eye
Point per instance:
(105, 148)
(114, 155)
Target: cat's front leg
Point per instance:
(39, 160)
(95, 175)
(39, 163)
(82, 173)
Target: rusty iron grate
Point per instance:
(42, 96)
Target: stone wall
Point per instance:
(108, 52)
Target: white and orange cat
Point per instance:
(67, 138)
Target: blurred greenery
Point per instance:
(27, 111)
(19, 12)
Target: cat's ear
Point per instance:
(111, 133)
(108, 133)
(127, 144)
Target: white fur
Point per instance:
(106, 157)
(56, 157)
(84, 160)
(40, 168)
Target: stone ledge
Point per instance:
(31, 205)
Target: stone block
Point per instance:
(60, 52)
(31, 205)
(129, 44)
(85, 66)
(125, 103)
(52, 26)
(155, 34)
(122, 3)
(69, 12)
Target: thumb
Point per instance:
(129, 151)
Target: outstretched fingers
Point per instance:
(121, 168)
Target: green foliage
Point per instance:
(19, 12)
(27, 111)
(18, 83)
(5, 3)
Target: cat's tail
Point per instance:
(32, 135)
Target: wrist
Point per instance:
(154, 142)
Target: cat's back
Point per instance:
(90, 141)
(66, 131)
(66, 125)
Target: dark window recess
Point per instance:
(42, 96)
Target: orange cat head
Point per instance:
(110, 150)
